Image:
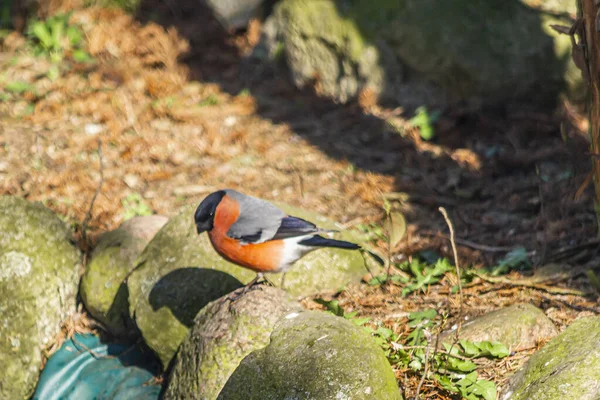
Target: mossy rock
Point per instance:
(519, 326)
(314, 355)
(39, 275)
(425, 52)
(103, 288)
(179, 272)
(566, 368)
(224, 333)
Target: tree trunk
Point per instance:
(589, 12)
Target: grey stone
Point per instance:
(103, 288)
(519, 326)
(566, 368)
(39, 275)
(426, 52)
(225, 332)
(314, 355)
(235, 14)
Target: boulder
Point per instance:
(566, 368)
(179, 272)
(103, 288)
(314, 355)
(39, 275)
(236, 14)
(225, 332)
(424, 52)
(519, 326)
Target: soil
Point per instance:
(179, 110)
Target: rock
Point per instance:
(39, 274)
(565, 368)
(409, 54)
(179, 272)
(519, 326)
(314, 355)
(223, 334)
(236, 14)
(103, 289)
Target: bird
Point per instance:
(256, 235)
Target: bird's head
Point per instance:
(205, 213)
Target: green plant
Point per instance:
(126, 5)
(514, 259)
(418, 275)
(56, 38)
(211, 100)
(133, 206)
(424, 120)
(451, 366)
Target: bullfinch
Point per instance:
(255, 234)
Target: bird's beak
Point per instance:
(201, 228)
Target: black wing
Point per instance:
(292, 227)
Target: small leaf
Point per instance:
(332, 306)
(468, 380)
(461, 365)
(360, 321)
(415, 365)
(484, 388)
(446, 383)
(395, 225)
(494, 349)
(470, 349)
(429, 313)
(18, 87)
(81, 56)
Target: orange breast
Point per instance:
(262, 257)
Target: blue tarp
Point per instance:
(85, 368)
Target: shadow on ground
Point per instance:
(505, 173)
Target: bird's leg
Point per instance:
(242, 291)
(283, 281)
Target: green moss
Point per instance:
(518, 326)
(314, 355)
(38, 283)
(223, 334)
(566, 368)
(322, 20)
(463, 51)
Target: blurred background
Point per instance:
(329, 105)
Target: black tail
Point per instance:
(320, 241)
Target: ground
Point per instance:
(178, 111)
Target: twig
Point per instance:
(441, 351)
(389, 247)
(97, 356)
(425, 370)
(473, 245)
(546, 288)
(452, 241)
(88, 215)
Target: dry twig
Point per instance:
(533, 285)
(88, 215)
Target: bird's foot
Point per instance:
(239, 292)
